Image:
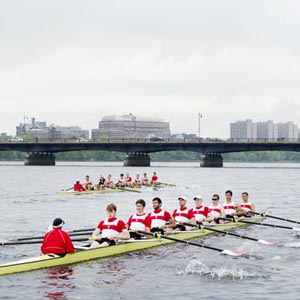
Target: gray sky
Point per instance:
(71, 62)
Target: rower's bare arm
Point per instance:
(223, 212)
(172, 223)
(193, 221)
(96, 232)
(124, 235)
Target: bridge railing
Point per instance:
(159, 140)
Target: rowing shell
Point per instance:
(90, 192)
(52, 260)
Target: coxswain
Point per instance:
(216, 210)
(88, 183)
(183, 215)
(57, 241)
(154, 178)
(78, 187)
(200, 211)
(158, 217)
(110, 229)
(138, 221)
(246, 207)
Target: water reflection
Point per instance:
(60, 281)
(112, 272)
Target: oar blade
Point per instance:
(296, 228)
(233, 253)
(267, 242)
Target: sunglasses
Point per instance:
(214, 199)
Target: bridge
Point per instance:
(42, 153)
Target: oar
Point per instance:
(201, 226)
(163, 183)
(257, 223)
(8, 243)
(159, 236)
(68, 189)
(273, 217)
(78, 232)
(128, 189)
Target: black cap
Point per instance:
(58, 222)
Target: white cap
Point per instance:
(77, 180)
(197, 197)
(182, 197)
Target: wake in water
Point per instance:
(293, 245)
(196, 267)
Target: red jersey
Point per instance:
(128, 179)
(57, 241)
(78, 187)
(154, 178)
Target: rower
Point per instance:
(158, 218)
(216, 210)
(109, 182)
(200, 211)
(101, 183)
(78, 187)
(154, 178)
(145, 180)
(138, 221)
(137, 180)
(230, 208)
(57, 241)
(88, 183)
(121, 181)
(128, 180)
(246, 206)
(183, 215)
(112, 228)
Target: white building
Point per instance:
(130, 126)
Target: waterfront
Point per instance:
(29, 203)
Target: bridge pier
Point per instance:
(137, 160)
(212, 160)
(39, 159)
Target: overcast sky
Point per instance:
(71, 62)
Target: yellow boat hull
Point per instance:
(52, 260)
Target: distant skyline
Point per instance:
(73, 62)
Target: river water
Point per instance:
(29, 203)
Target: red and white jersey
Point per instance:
(159, 218)
(229, 208)
(246, 206)
(215, 211)
(122, 180)
(111, 227)
(138, 180)
(145, 180)
(138, 222)
(183, 214)
(200, 212)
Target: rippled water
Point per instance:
(29, 203)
